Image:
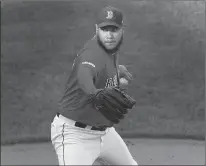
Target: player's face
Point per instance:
(110, 36)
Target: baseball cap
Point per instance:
(110, 16)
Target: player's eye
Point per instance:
(114, 29)
(103, 29)
(110, 28)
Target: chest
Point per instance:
(107, 77)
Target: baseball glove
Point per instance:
(113, 103)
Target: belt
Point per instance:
(82, 125)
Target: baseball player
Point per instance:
(94, 100)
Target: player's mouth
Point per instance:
(110, 42)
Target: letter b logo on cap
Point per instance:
(109, 15)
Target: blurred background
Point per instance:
(163, 48)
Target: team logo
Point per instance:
(109, 15)
(111, 82)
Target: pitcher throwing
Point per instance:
(94, 100)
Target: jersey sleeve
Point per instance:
(88, 66)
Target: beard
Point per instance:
(110, 51)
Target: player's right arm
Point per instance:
(87, 67)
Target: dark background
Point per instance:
(163, 48)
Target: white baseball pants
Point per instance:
(82, 146)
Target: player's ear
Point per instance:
(96, 27)
(122, 29)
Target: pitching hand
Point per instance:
(124, 73)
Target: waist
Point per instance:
(80, 124)
(86, 115)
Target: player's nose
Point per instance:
(109, 34)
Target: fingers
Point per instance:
(129, 76)
(125, 73)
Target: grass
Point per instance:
(163, 48)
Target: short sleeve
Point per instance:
(90, 59)
(87, 66)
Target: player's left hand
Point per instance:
(113, 103)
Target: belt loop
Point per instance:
(89, 127)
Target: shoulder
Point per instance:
(91, 56)
(93, 47)
(92, 52)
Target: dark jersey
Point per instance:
(92, 69)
